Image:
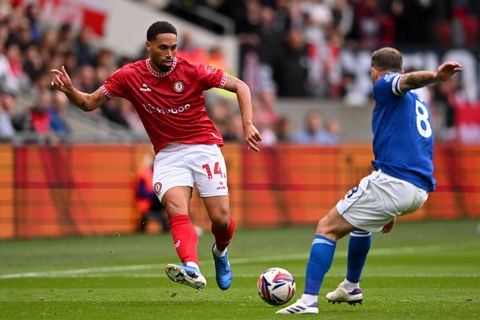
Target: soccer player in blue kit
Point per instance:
(403, 177)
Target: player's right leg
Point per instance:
(349, 290)
(173, 184)
(185, 239)
(331, 228)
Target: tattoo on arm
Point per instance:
(416, 79)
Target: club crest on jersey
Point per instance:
(178, 86)
(157, 187)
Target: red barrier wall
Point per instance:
(87, 189)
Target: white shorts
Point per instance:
(378, 199)
(185, 165)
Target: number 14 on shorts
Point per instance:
(217, 169)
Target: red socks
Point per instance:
(185, 238)
(223, 237)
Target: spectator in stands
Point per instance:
(284, 129)
(86, 78)
(368, 29)
(234, 131)
(190, 50)
(111, 110)
(6, 126)
(39, 119)
(146, 201)
(332, 132)
(220, 111)
(216, 57)
(83, 48)
(58, 117)
(65, 38)
(291, 72)
(271, 35)
(32, 12)
(127, 112)
(263, 124)
(314, 131)
(48, 42)
(106, 58)
(33, 63)
(318, 24)
(447, 100)
(17, 77)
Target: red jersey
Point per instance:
(170, 104)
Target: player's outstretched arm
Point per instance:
(417, 79)
(85, 101)
(250, 132)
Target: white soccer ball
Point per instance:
(276, 286)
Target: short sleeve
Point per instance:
(113, 86)
(211, 77)
(387, 88)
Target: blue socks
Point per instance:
(321, 256)
(358, 247)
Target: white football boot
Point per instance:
(341, 294)
(186, 275)
(299, 308)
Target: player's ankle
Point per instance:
(349, 286)
(192, 264)
(309, 299)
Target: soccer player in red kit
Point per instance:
(167, 93)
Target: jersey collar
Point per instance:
(160, 74)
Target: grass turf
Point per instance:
(422, 270)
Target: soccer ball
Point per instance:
(276, 286)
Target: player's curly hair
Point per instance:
(160, 27)
(387, 59)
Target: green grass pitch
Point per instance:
(422, 270)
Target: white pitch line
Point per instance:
(292, 257)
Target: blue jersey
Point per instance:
(402, 133)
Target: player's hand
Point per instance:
(61, 80)
(252, 137)
(389, 226)
(446, 70)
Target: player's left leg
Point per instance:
(331, 228)
(222, 228)
(210, 172)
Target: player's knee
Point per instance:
(221, 219)
(173, 208)
(327, 229)
(322, 227)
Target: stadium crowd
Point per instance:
(288, 49)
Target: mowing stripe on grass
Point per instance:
(292, 257)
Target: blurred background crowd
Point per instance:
(288, 49)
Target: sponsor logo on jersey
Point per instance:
(178, 86)
(168, 110)
(145, 88)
